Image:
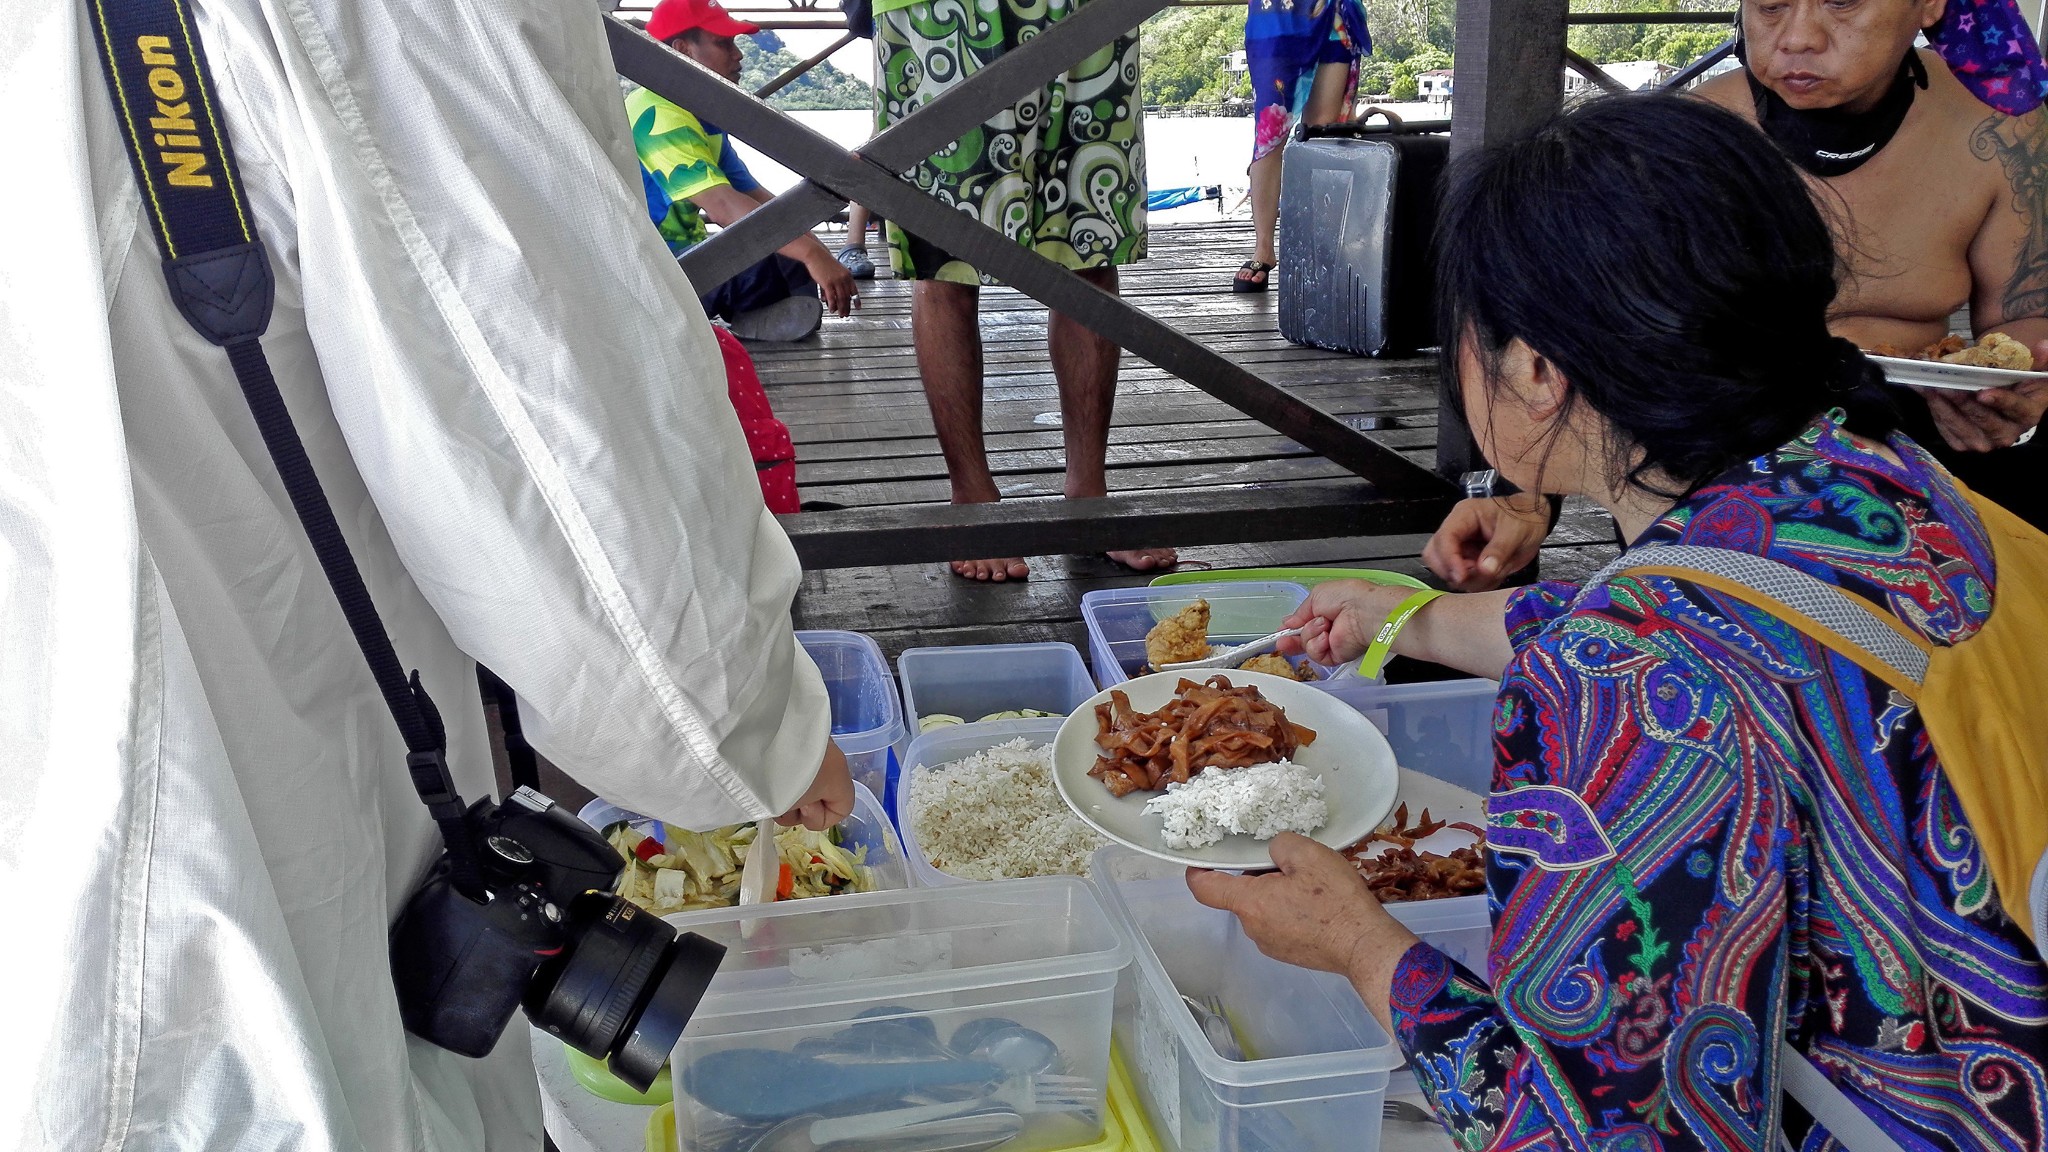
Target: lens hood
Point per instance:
(623, 987)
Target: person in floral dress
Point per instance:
(1708, 837)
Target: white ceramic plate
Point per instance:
(1959, 377)
(1352, 757)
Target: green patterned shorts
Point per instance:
(1061, 172)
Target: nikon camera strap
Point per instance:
(219, 276)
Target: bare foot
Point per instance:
(992, 571)
(1146, 559)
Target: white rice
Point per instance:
(1260, 801)
(998, 814)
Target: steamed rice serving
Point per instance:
(1260, 801)
(998, 814)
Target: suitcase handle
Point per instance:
(1355, 129)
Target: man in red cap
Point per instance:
(691, 172)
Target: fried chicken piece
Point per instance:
(1942, 348)
(1995, 351)
(1891, 350)
(1180, 637)
(1274, 664)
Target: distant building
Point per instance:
(1434, 85)
(1634, 75)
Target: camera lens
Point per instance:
(623, 986)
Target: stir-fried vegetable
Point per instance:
(683, 871)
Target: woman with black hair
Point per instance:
(1707, 833)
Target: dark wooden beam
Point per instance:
(1594, 72)
(1510, 80)
(863, 179)
(1701, 66)
(927, 533)
(934, 125)
(802, 66)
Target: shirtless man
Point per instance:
(1940, 200)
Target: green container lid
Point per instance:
(1306, 577)
(598, 1080)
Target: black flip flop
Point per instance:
(1259, 268)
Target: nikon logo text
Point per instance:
(177, 136)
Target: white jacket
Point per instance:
(520, 417)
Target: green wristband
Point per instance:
(1382, 644)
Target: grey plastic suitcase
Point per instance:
(1357, 208)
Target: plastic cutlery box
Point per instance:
(1317, 1064)
(912, 973)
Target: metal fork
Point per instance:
(1406, 1112)
(1026, 1094)
(1232, 657)
(1215, 1024)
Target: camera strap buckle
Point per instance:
(435, 784)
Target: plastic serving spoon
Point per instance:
(759, 873)
(1232, 657)
(762, 1085)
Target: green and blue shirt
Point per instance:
(681, 156)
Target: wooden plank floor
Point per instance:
(863, 436)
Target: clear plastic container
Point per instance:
(1444, 728)
(867, 717)
(1042, 954)
(1317, 1065)
(944, 746)
(867, 828)
(1239, 612)
(972, 681)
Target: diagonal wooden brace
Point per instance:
(863, 179)
(945, 118)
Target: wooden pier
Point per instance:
(864, 439)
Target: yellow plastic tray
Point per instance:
(1125, 1129)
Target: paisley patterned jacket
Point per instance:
(1707, 833)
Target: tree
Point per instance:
(1182, 52)
(1674, 44)
(763, 58)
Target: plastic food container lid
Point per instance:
(884, 947)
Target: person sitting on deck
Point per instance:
(1934, 166)
(1708, 837)
(1061, 172)
(690, 167)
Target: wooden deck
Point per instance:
(864, 439)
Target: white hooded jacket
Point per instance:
(519, 415)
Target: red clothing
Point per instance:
(767, 438)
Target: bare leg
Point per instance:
(1265, 174)
(856, 226)
(1085, 366)
(948, 337)
(1325, 106)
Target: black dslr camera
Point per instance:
(612, 980)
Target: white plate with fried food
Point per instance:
(1344, 750)
(1954, 363)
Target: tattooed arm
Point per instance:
(2009, 277)
(2009, 257)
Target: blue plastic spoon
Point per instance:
(764, 1085)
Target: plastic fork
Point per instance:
(1232, 657)
(1025, 1094)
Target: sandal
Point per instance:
(1252, 277)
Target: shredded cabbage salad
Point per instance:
(682, 871)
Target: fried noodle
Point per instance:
(1206, 725)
